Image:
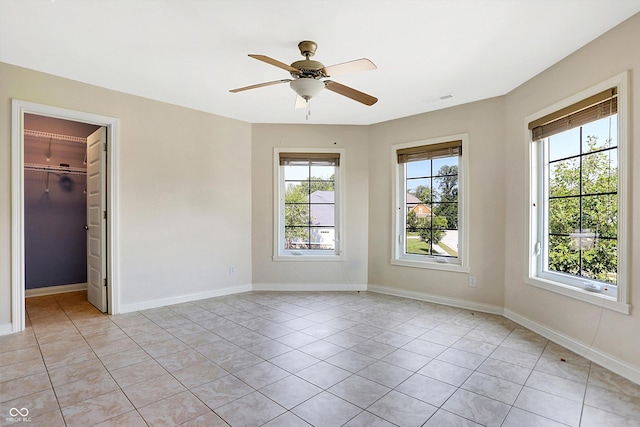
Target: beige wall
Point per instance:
(483, 121)
(607, 331)
(185, 209)
(325, 274)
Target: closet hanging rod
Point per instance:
(54, 136)
(58, 169)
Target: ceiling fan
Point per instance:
(308, 76)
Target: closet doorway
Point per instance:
(62, 204)
(62, 236)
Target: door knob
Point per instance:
(86, 227)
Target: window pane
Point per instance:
(600, 215)
(445, 189)
(600, 134)
(446, 170)
(322, 238)
(415, 244)
(420, 188)
(296, 172)
(444, 165)
(296, 237)
(421, 168)
(323, 214)
(296, 215)
(564, 215)
(600, 261)
(564, 178)
(297, 192)
(449, 242)
(562, 258)
(564, 144)
(322, 173)
(600, 172)
(445, 215)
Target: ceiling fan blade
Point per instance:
(356, 95)
(275, 62)
(350, 67)
(300, 102)
(275, 82)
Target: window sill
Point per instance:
(431, 265)
(304, 258)
(579, 294)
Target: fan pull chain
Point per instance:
(308, 109)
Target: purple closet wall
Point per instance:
(55, 238)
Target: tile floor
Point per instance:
(297, 359)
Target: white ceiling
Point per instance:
(191, 52)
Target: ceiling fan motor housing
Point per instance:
(308, 68)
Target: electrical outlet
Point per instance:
(472, 281)
(232, 270)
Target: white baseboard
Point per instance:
(603, 359)
(422, 296)
(161, 302)
(309, 287)
(52, 290)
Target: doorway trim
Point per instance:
(18, 109)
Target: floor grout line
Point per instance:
(375, 323)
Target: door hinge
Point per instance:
(105, 282)
(104, 214)
(104, 146)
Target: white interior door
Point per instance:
(96, 221)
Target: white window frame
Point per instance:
(566, 284)
(399, 191)
(279, 252)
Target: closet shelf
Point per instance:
(58, 169)
(54, 137)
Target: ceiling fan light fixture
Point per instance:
(307, 88)
(308, 76)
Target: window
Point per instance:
(430, 198)
(308, 204)
(577, 217)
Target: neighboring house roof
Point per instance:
(412, 200)
(322, 208)
(322, 196)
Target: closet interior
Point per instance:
(55, 203)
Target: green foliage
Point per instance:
(312, 185)
(412, 222)
(447, 195)
(296, 210)
(429, 235)
(417, 246)
(423, 193)
(595, 217)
